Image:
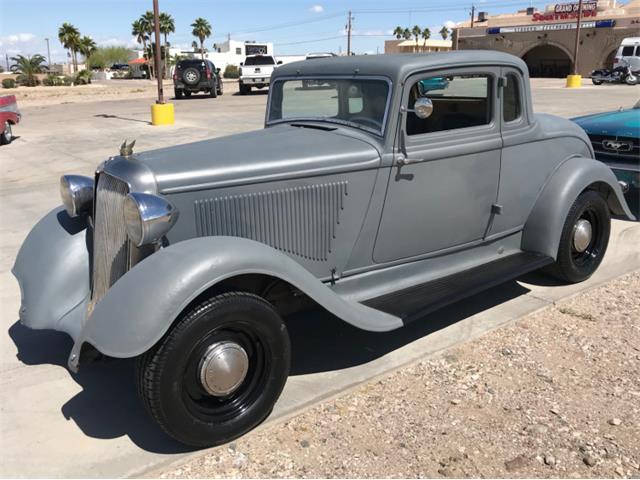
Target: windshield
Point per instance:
(261, 60)
(355, 102)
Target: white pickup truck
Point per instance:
(256, 71)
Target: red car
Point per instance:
(9, 115)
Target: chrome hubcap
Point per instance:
(191, 76)
(582, 233)
(223, 368)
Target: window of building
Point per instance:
(459, 101)
(238, 51)
(511, 107)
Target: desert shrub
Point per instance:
(66, 81)
(27, 81)
(231, 71)
(83, 77)
(8, 83)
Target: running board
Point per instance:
(415, 302)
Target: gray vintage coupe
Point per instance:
(391, 186)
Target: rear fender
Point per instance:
(544, 226)
(142, 305)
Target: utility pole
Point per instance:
(158, 60)
(48, 54)
(473, 14)
(577, 44)
(349, 34)
(6, 56)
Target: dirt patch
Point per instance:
(556, 394)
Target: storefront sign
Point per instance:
(566, 11)
(551, 26)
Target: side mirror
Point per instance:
(217, 70)
(423, 108)
(241, 64)
(279, 62)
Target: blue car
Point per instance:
(615, 137)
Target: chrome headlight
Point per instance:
(148, 217)
(77, 194)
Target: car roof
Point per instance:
(398, 66)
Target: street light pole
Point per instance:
(48, 54)
(157, 59)
(577, 44)
(574, 80)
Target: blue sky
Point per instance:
(295, 27)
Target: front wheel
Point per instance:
(213, 93)
(584, 238)
(177, 93)
(631, 79)
(596, 82)
(218, 372)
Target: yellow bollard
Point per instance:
(574, 81)
(162, 114)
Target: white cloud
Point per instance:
(317, 9)
(118, 42)
(449, 24)
(17, 38)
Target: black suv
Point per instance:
(192, 76)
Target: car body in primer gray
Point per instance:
(356, 203)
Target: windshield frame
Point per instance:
(339, 122)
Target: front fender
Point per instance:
(141, 306)
(543, 228)
(52, 269)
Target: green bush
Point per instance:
(27, 81)
(83, 77)
(231, 71)
(8, 83)
(66, 81)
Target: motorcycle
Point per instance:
(621, 74)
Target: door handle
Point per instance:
(404, 160)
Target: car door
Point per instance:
(443, 197)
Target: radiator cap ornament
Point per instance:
(127, 150)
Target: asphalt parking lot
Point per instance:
(53, 423)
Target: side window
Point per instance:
(459, 101)
(238, 51)
(511, 107)
(627, 51)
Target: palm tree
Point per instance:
(148, 23)
(398, 31)
(87, 48)
(426, 34)
(69, 37)
(201, 30)
(167, 26)
(139, 30)
(416, 31)
(27, 68)
(444, 32)
(406, 34)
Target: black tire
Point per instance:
(596, 82)
(186, 93)
(191, 76)
(168, 374)
(631, 80)
(7, 134)
(213, 93)
(573, 265)
(244, 89)
(177, 93)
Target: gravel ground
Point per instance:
(555, 394)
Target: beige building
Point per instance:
(411, 46)
(545, 39)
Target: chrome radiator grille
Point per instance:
(110, 241)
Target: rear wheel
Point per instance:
(584, 238)
(191, 76)
(7, 134)
(596, 82)
(218, 372)
(244, 89)
(213, 93)
(177, 93)
(187, 93)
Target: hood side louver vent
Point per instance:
(300, 221)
